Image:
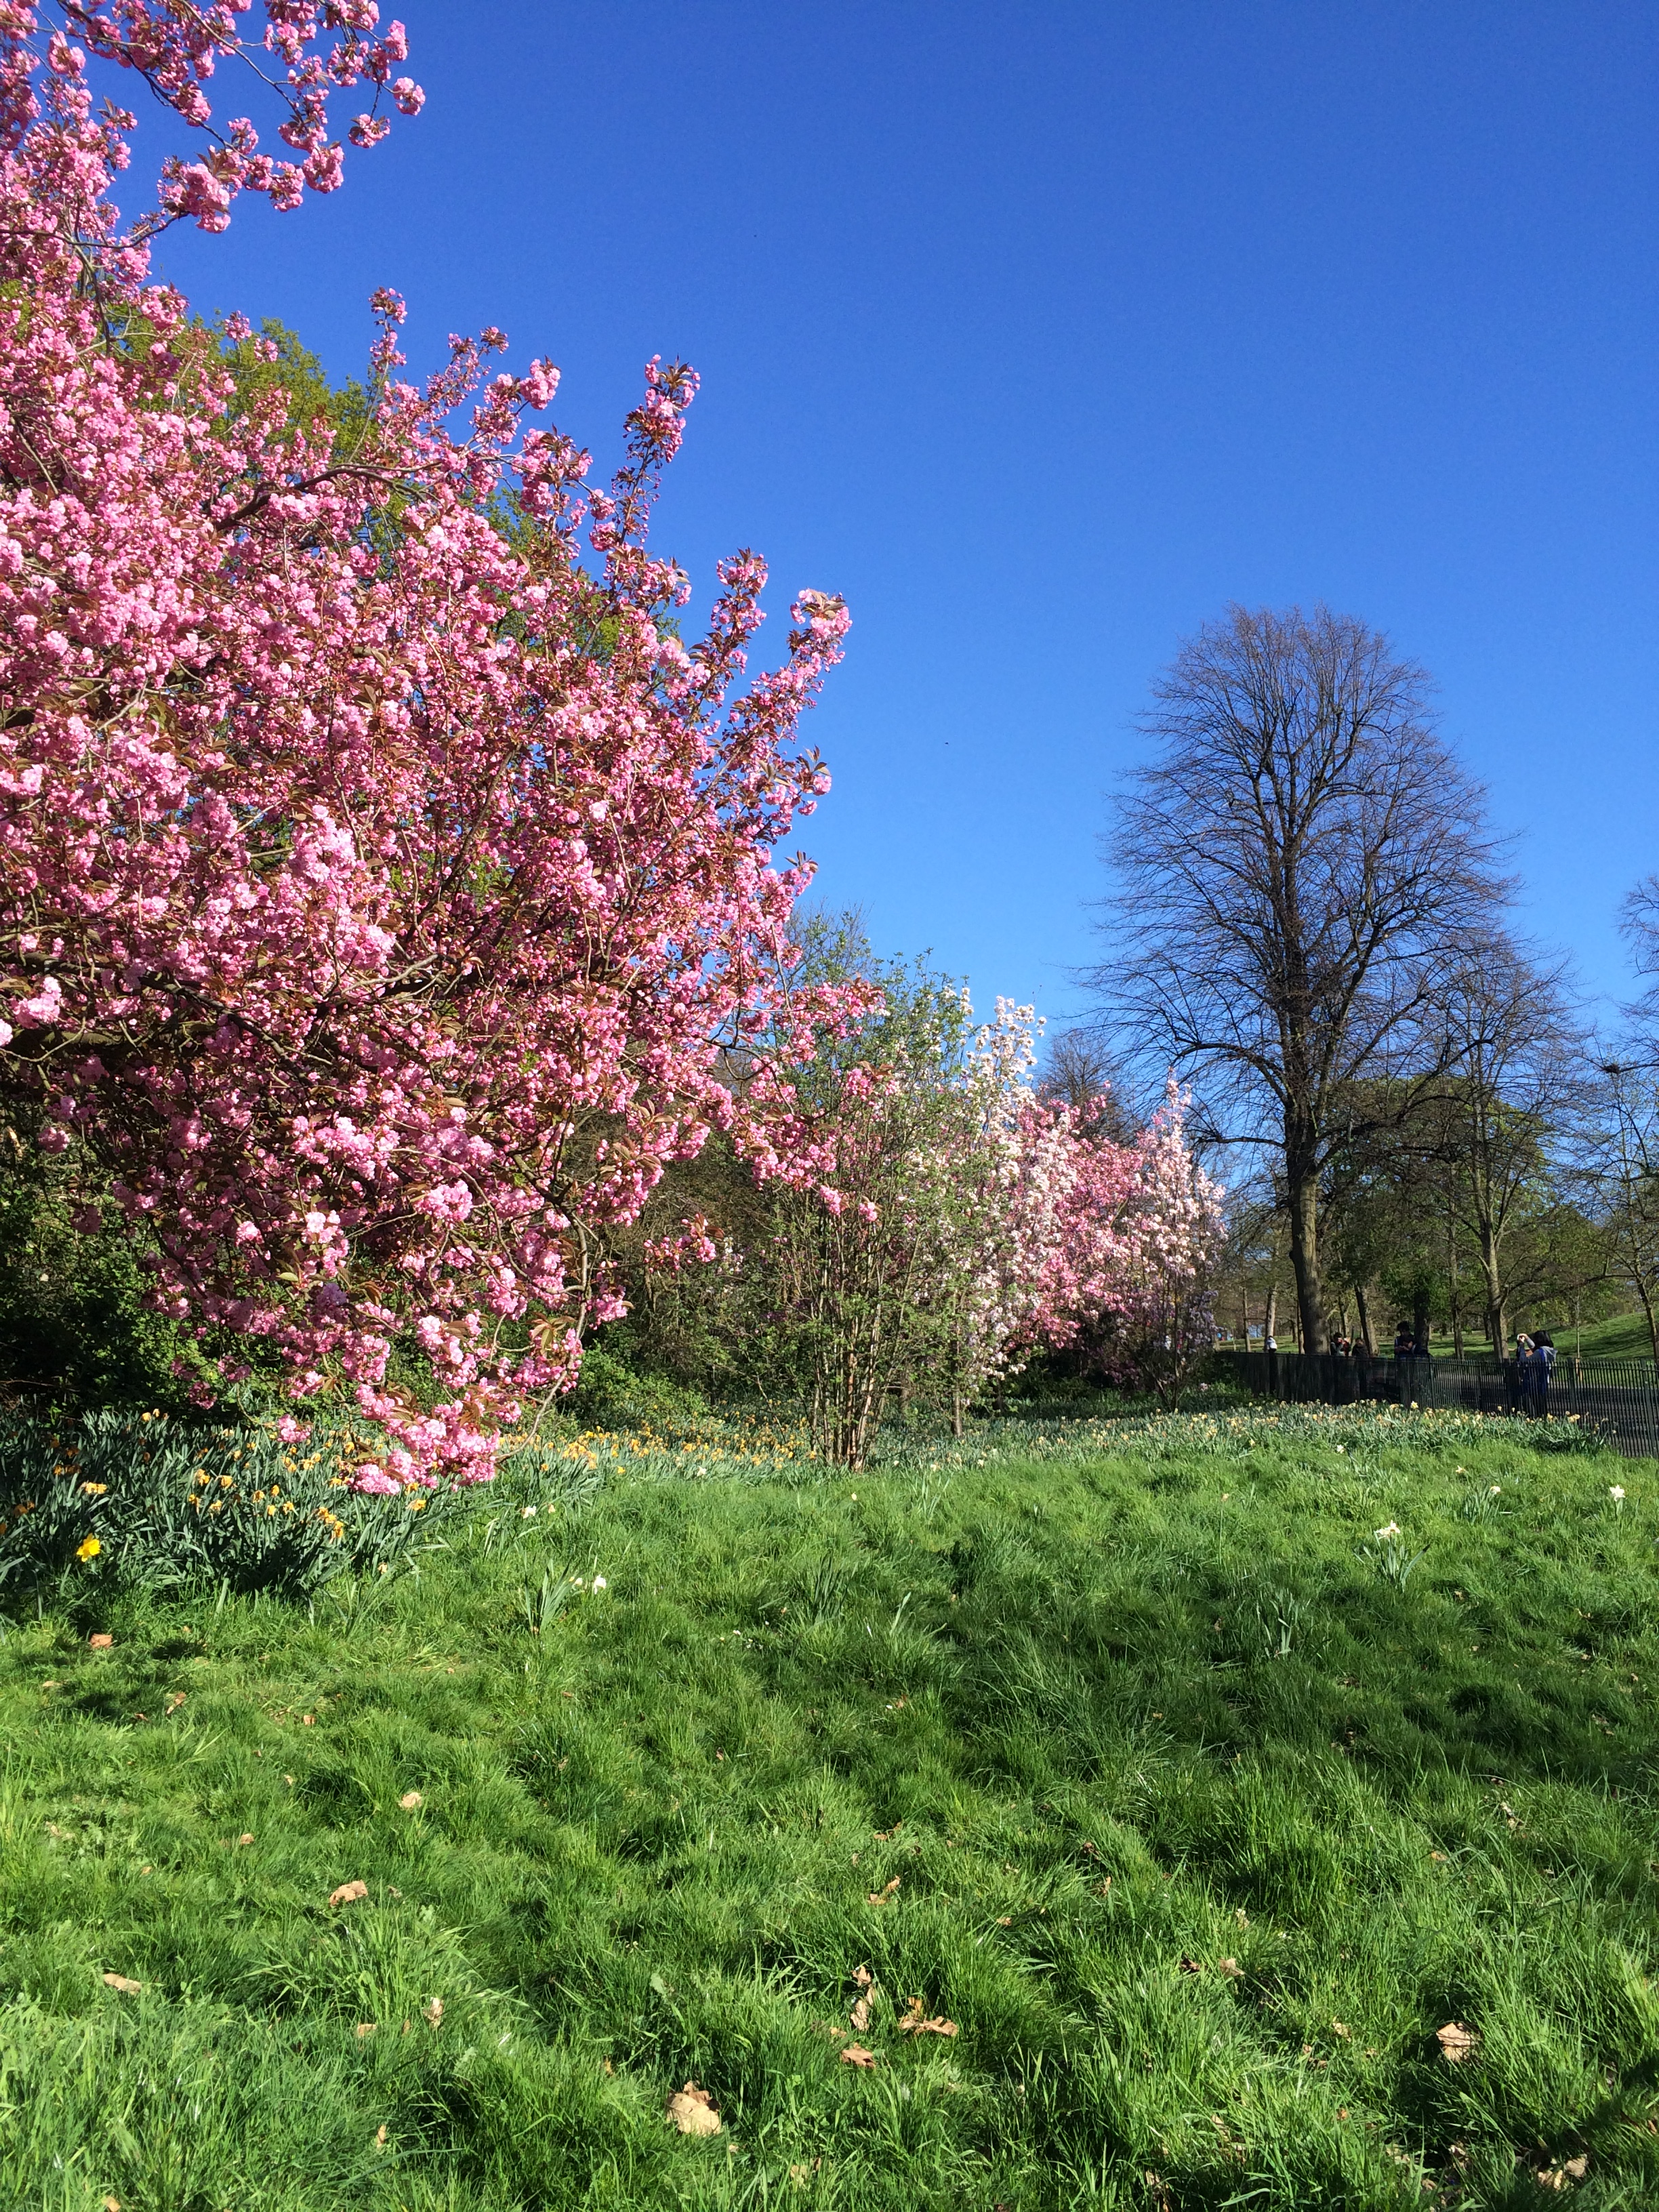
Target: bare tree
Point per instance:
(1297, 873)
(1496, 1119)
(1079, 1072)
(1622, 1169)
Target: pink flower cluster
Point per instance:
(176, 48)
(1141, 1229)
(381, 896)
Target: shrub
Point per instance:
(611, 1393)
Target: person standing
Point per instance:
(1540, 1370)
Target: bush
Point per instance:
(73, 1320)
(122, 1500)
(610, 1393)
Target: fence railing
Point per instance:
(1618, 1398)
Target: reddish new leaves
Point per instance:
(378, 888)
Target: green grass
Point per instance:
(1625, 1336)
(1194, 1823)
(1622, 1336)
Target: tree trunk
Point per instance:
(1303, 1209)
(1270, 1321)
(1496, 1318)
(1367, 1331)
(1456, 1294)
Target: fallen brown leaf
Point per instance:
(125, 1983)
(1191, 1966)
(366, 2028)
(1456, 2042)
(913, 2024)
(1558, 2176)
(175, 1698)
(100, 1642)
(855, 2054)
(859, 2015)
(349, 1892)
(1340, 2027)
(881, 1896)
(692, 2111)
(244, 1837)
(1005, 1920)
(433, 2011)
(380, 2137)
(412, 1801)
(862, 1977)
(1231, 1969)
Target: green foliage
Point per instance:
(116, 1502)
(73, 1324)
(294, 370)
(757, 1327)
(1200, 1830)
(613, 1393)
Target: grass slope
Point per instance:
(1195, 1825)
(1621, 1336)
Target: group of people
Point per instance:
(1529, 1371)
(1534, 1362)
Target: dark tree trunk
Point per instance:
(1303, 1209)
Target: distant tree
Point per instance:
(1080, 1073)
(1621, 1170)
(1493, 1125)
(1298, 872)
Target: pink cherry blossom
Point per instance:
(379, 906)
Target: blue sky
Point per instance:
(1041, 333)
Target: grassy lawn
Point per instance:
(1623, 1336)
(1126, 1759)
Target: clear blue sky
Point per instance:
(1040, 332)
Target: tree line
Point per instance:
(1312, 920)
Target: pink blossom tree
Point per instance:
(382, 888)
(918, 1266)
(1130, 1284)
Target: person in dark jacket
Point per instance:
(1538, 1369)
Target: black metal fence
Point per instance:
(1617, 1398)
